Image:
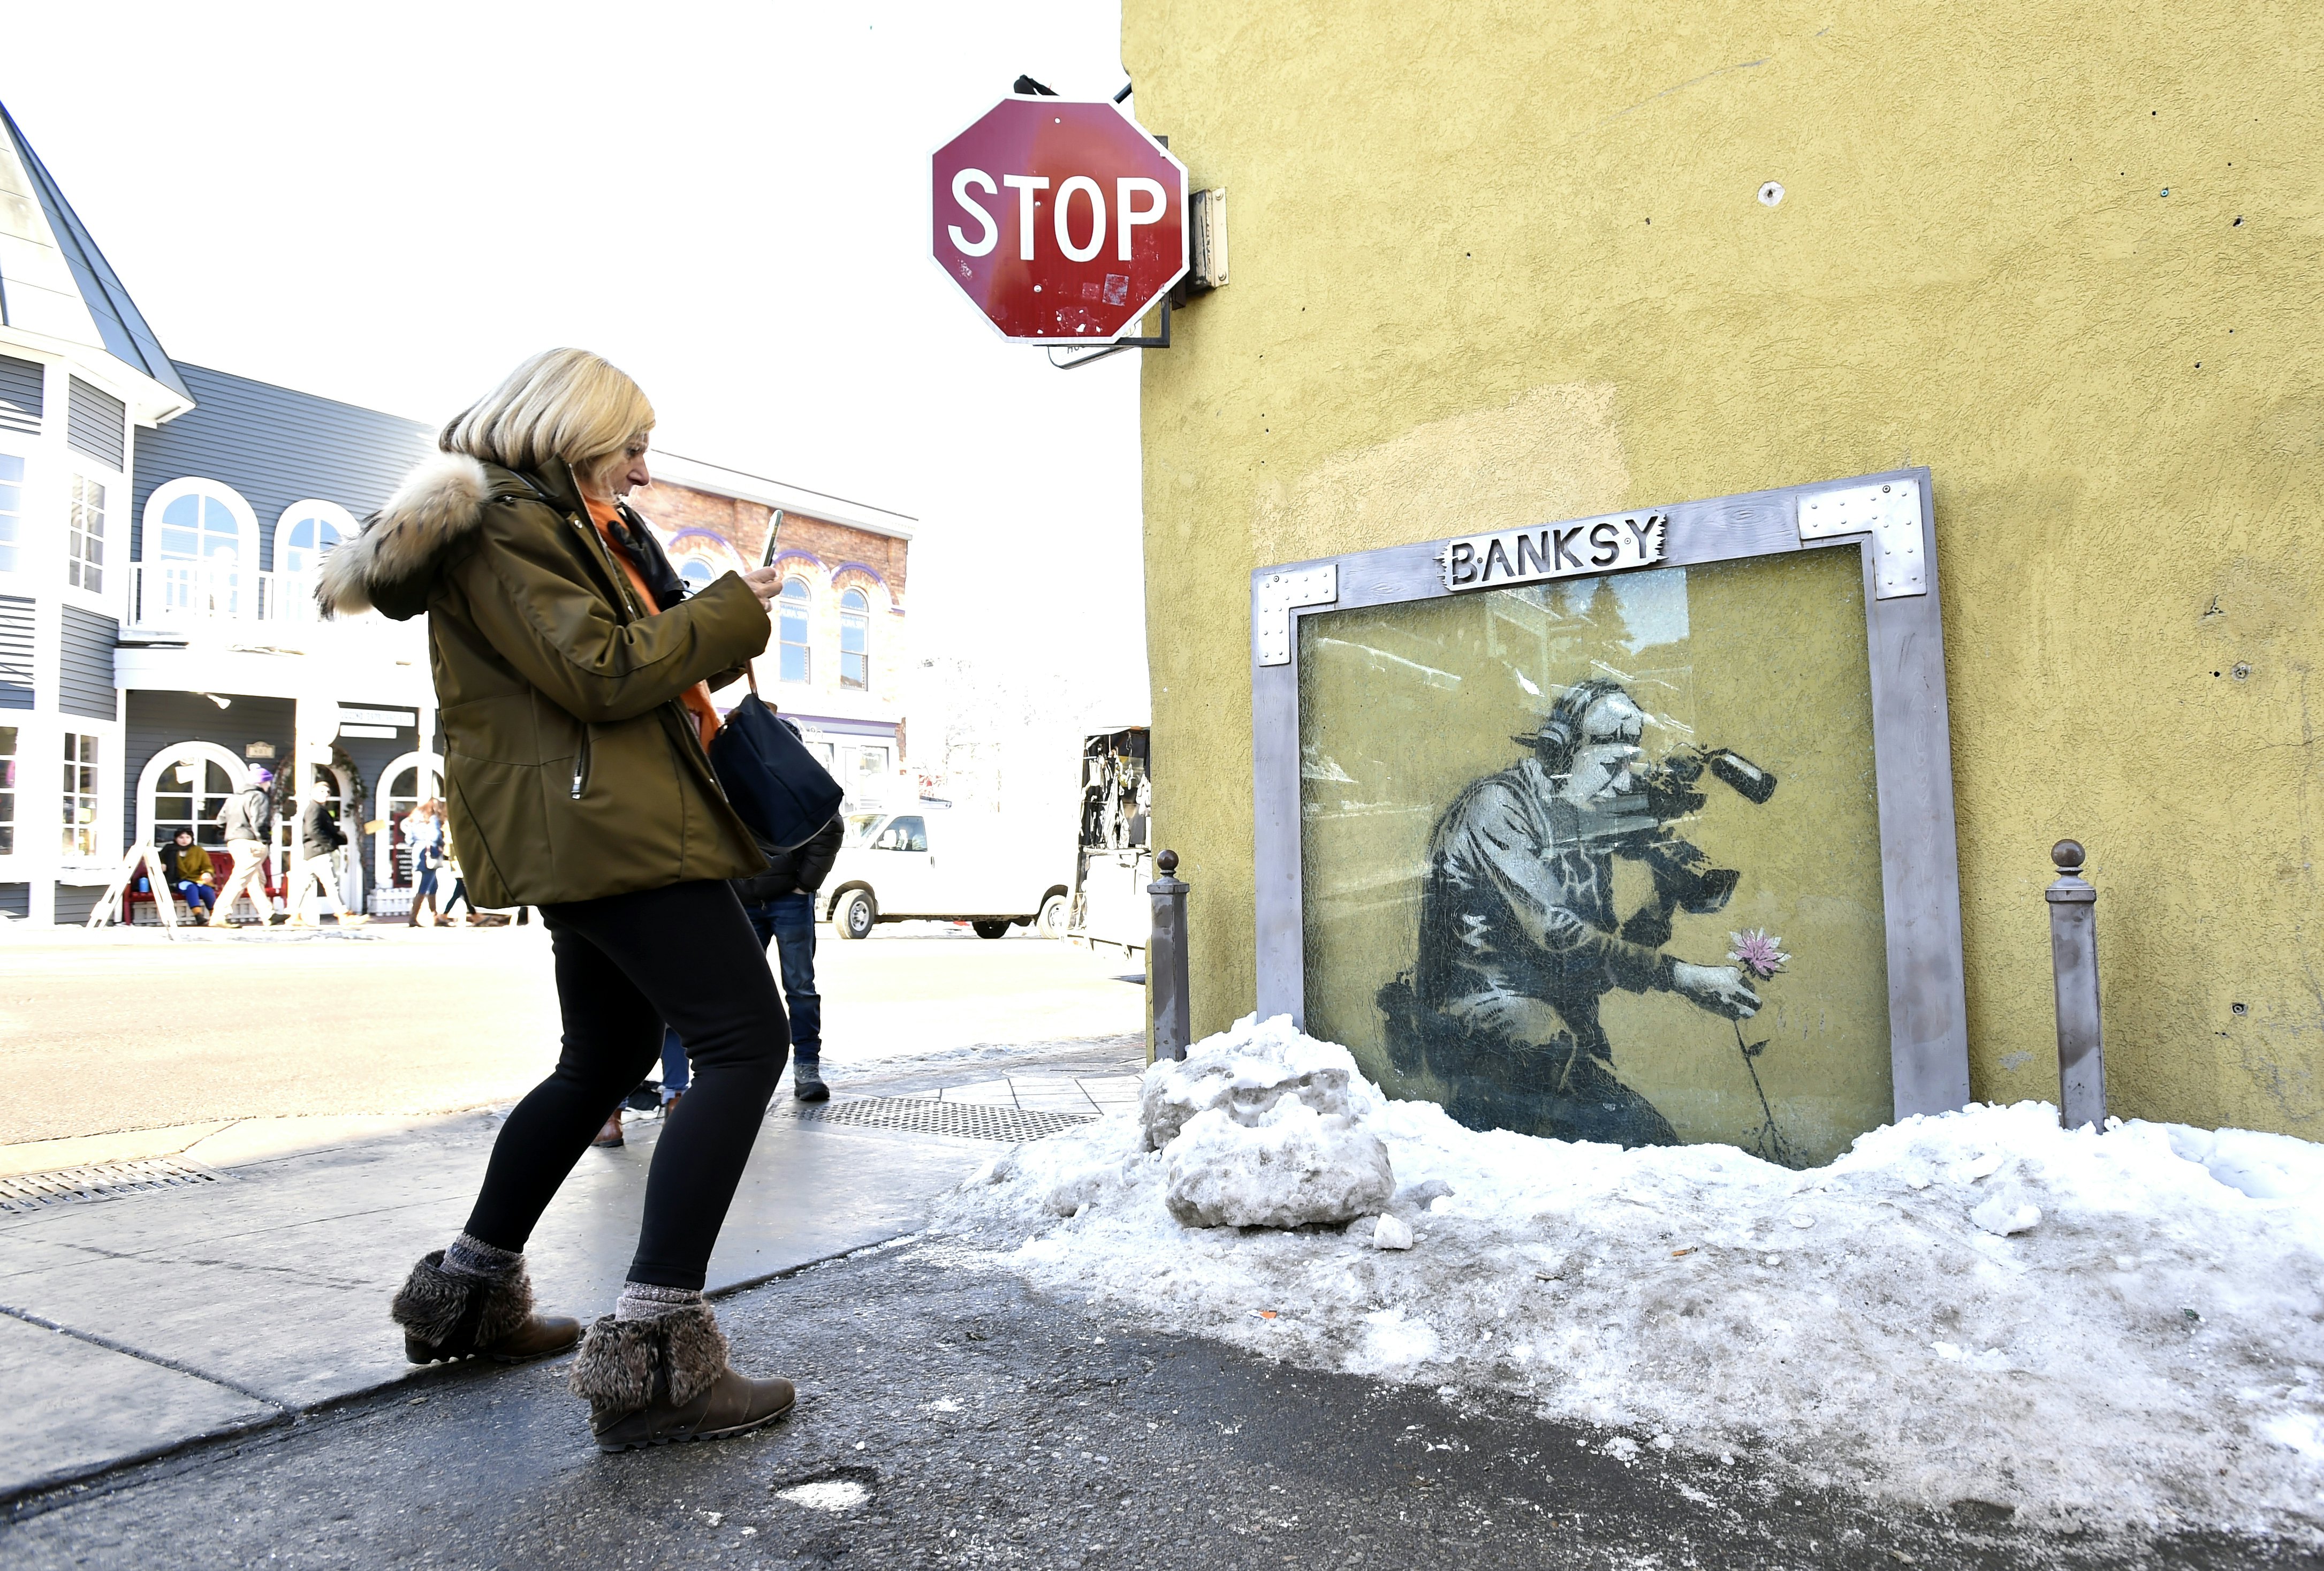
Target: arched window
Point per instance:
(854, 640)
(796, 666)
(305, 534)
(199, 526)
(199, 554)
(182, 787)
(405, 784)
(699, 556)
(311, 539)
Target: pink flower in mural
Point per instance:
(1762, 954)
(1758, 951)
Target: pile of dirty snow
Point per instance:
(2114, 1329)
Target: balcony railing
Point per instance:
(190, 594)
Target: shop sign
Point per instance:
(1064, 223)
(1554, 550)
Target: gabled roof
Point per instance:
(54, 279)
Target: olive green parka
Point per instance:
(571, 770)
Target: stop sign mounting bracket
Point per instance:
(1186, 289)
(1076, 358)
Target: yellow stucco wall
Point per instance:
(1497, 264)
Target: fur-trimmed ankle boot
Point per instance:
(449, 1314)
(649, 1383)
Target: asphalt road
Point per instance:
(982, 1426)
(109, 1032)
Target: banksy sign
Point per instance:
(1554, 551)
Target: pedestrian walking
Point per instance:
(247, 817)
(320, 839)
(187, 867)
(569, 670)
(781, 904)
(423, 833)
(459, 895)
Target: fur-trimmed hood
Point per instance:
(388, 566)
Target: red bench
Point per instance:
(221, 870)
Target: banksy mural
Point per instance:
(1520, 939)
(1599, 860)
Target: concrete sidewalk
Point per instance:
(254, 1287)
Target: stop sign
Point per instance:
(1064, 222)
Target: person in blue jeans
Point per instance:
(191, 874)
(781, 904)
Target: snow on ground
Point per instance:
(2112, 1329)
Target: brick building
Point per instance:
(836, 664)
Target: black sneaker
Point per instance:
(806, 1082)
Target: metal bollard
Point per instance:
(2074, 959)
(1166, 961)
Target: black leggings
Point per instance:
(626, 964)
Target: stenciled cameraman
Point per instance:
(1518, 938)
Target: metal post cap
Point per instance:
(1166, 863)
(2067, 855)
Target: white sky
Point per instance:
(393, 204)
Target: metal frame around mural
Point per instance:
(1912, 739)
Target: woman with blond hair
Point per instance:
(570, 672)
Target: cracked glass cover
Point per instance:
(1600, 859)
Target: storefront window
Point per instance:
(402, 787)
(80, 795)
(85, 542)
(792, 630)
(7, 790)
(191, 791)
(854, 640)
(12, 509)
(1601, 858)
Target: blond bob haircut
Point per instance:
(562, 404)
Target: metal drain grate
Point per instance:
(99, 1181)
(965, 1120)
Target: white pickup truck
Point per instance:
(928, 860)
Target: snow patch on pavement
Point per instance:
(2108, 1329)
(829, 1494)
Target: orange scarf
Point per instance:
(696, 698)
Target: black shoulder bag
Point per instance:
(770, 777)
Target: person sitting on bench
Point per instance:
(190, 872)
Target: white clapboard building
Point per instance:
(161, 527)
